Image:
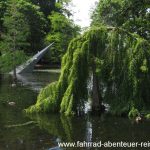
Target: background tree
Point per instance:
(14, 39)
(41, 17)
(133, 15)
(37, 24)
(62, 31)
(41, 25)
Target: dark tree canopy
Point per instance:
(46, 6)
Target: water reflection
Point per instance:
(26, 137)
(37, 80)
(51, 129)
(92, 129)
(62, 127)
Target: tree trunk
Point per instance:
(96, 95)
(14, 75)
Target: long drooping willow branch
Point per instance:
(122, 66)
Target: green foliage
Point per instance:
(108, 12)
(17, 30)
(133, 113)
(37, 25)
(62, 31)
(121, 58)
(45, 6)
(41, 18)
(10, 60)
(57, 96)
(14, 38)
(46, 101)
(118, 56)
(132, 15)
(148, 116)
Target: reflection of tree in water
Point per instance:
(89, 130)
(92, 129)
(68, 127)
(65, 128)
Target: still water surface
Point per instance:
(50, 129)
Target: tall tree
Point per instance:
(133, 15)
(14, 38)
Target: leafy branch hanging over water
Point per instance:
(118, 60)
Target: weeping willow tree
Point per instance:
(119, 64)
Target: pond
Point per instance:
(48, 130)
